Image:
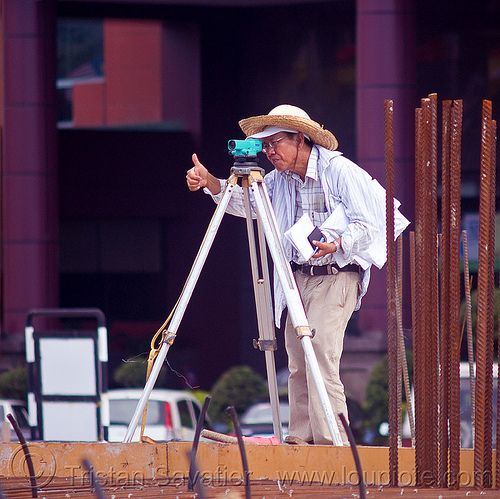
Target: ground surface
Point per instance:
(63, 488)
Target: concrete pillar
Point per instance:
(29, 169)
(182, 76)
(385, 63)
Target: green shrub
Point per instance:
(239, 387)
(200, 395)
(376, 405)
(14, 384)
(132, 374)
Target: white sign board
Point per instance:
(69, 421)
(68, 366)
(67, 398)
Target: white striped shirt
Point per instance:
(341, 181)
(310, 199)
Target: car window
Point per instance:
(185, 414)
(262, 413)
(197, 412)
(121, 411)
(21, 416)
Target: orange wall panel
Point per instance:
(133, 66)
(89, 105)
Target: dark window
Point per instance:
(185, 414)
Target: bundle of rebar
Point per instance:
(449, 373)
(436, 294)
(435, 287)
(426, 329)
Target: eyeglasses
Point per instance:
(266, 146)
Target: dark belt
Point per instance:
(330, 269)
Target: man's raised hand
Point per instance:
(196, 177)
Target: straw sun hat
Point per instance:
(288, 118)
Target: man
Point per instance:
(310, 177)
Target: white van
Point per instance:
(171, 414)
(465, 408)
(18, 410)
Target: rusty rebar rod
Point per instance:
(470, 343)
(433, 337)
(417, 306)
(493, 169)
(393, 381)
(27, 455)
(491, 264)
(244, 461)
(402, 349)
(413, 293)
(419, 298)
(491, 279)
(482, 449)
(430, 279)
(412, 282)
(444, 258)
(428, 273)
(453, 371)
(355, 455)
(196, 441)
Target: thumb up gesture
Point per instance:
(197, 176)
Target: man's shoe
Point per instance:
(295, 440)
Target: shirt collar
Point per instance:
(312, 167)
(312, 164)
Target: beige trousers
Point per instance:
(329, 302)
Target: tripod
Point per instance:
(252, 180)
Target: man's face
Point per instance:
(281, 150)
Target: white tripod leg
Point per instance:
(262, 291)
(294, 303)
(181, 306)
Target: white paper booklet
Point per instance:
(297, 234)
(376, 253)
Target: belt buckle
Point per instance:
(331, 269)
(311, 270)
